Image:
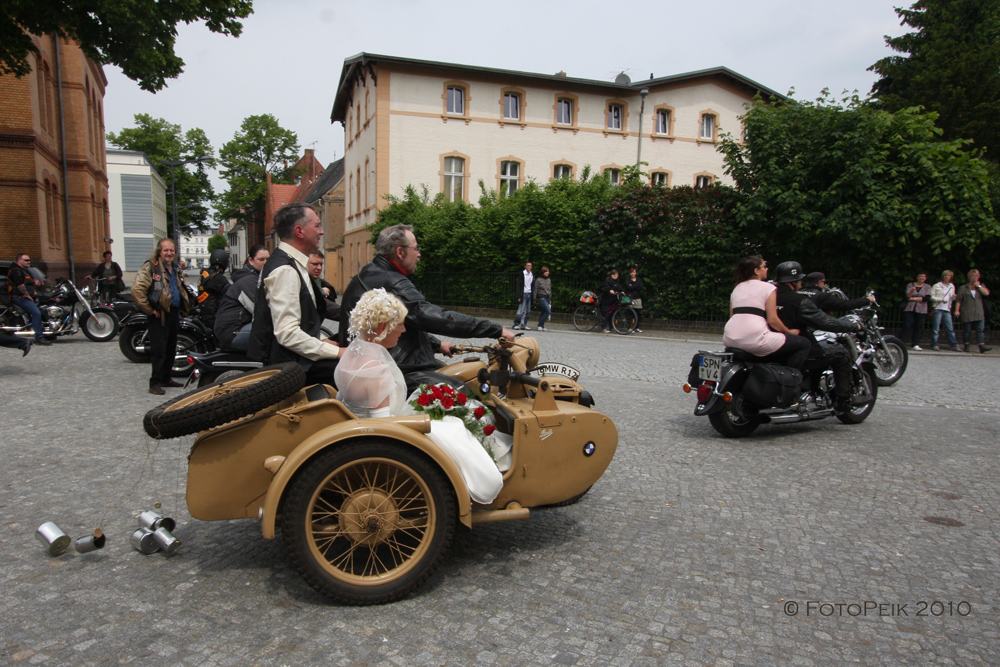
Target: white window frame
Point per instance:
(510, 176)
(659, 178)
(663, 121)
(707, 123)
(564, 103)
(703, 181)
(512, 106)
(562, 167)
(456, 94)
(616, 113)
(614, 175)
(454, 178)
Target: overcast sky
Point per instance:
(288, 60)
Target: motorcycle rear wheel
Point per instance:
(186, 343)
(730, 422)
(129, 340)
(890, 367)
(868, 384)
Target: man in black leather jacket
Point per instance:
(814, 286)
(397, 254)
(799, 311)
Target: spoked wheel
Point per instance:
(134, 343)
(224, 402)
(586, 318)
(368, 522)
(890, 366)
(100, 328)
(867, 383)
(731, 421)
(625, 320)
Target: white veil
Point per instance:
(366, 375)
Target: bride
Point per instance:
(371, 385)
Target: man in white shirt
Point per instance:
(942, 295)
(525, 291)
(289, 310)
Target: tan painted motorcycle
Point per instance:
(367, 507)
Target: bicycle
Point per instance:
(587, 316)
(625, 320)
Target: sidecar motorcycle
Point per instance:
(367, 507)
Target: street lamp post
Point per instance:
(173, 191)
(642, 111)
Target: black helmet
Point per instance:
(788, 272)
(219, 258)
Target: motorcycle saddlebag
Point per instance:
(772, 386)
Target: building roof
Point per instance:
(327, 181)
(364, 64)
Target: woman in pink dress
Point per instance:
(753, 305)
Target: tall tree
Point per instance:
(137, 35)
(857, 191)
(259, 148)
(163, 141)
(950, 65)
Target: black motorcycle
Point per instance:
(192, 336)
(887, 353)
(738, 392)
(64, 312)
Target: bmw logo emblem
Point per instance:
(484, 388)
(588, 449)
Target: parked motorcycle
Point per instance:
(192, 336)
(64, 312)
(738, 392)
(887, 353)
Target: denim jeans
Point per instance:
(544, 305)
(912, 320)
(36, 315)
(980, 326)
(523, 311)
(936, 320)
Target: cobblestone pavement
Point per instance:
(691, 550)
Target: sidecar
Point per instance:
(367, 507)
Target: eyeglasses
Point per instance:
(415, 248)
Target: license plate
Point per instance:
(709, 367)
(554, 368)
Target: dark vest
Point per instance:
(263, 345)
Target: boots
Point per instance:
(984, 349)
(965, 348)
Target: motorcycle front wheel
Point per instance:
(100, 328)
(890, 366)
(730, 422)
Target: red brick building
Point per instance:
(53, 173)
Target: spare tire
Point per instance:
(224, 402)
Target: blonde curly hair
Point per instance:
(375, 307)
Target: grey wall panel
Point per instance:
(137, 204)
(137, 251)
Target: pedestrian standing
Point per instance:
(942, 297)
(918, 295)
(159, 291)
(543, 293)
(970, 309)
(611, 294)
(525, 291)
(633, 290)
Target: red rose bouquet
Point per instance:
(441, 400)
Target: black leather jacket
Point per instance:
(828, 300)
(798, 311)
(417, 345)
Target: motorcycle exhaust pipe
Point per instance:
(52, 538)
(796, 417)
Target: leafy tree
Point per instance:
(137, 35)
(163, 141)
(857, 191)
(216, 242)
(259, 148)
(951, 65)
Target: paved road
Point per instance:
(691, 550)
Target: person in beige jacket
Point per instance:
(159, 292)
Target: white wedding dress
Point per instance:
(366, 375)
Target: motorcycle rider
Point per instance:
(21, 290)
(213, 286)
(234, 318)
(160, 292)
(799, 311)
(814, 286)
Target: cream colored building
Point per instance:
(138, 211)
(448, 126)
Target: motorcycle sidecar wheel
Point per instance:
(368, 522)
(889, 368)
(869, 384)
(100, 328)
(128, 343)
(730, 421)
(224, 402)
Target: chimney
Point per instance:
(560, 73)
